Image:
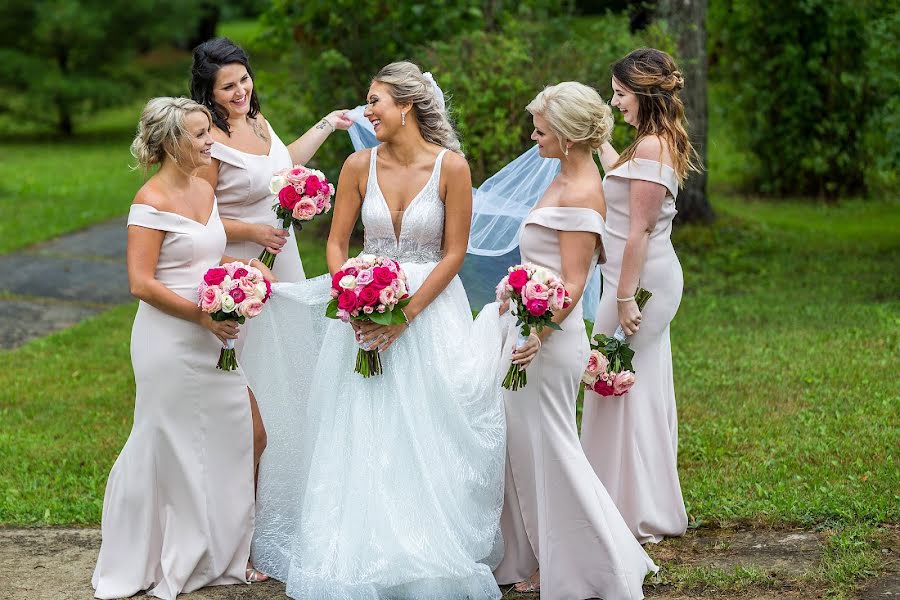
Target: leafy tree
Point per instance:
(814, 83)
(62, 58)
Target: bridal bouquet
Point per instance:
(233, 291)
(302, 194)
(609, 371)
(535, 295)
(369, 288)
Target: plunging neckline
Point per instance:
(399, 234)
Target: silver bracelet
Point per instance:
(403, 312)
(628, 299)
(327, 122)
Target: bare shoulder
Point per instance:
(455, 165)
(152, 196)
(358, 162)
(588, 196)
(653, 147)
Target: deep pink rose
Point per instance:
(603, 387)
(622, 382)
(215, 276)
(312, 186)
(335, 280)
(351, 271)
(517, 279)
(383, 276)
(537, 307)
(288, 197)
(368, 296)
(347, 300)
(268, 290)
(239, 272)
(238, 295)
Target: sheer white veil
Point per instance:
(499, 209)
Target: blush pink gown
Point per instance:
(556, 513)
(632, 440)
(178, 511)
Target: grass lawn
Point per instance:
(784, 346)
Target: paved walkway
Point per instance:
(56, 284)
(56, 564)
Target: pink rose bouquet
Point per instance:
(302, 194)
(609, 371)
(369, 288)
(535, 295)
(233, 291)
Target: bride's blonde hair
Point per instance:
(408, 84)
(161, 131)
(575, 112)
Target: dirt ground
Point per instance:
(56, 564)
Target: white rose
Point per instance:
(228, 303)
(261, 290)
(541, 275)
(277, 183)
(369, 258)
(348, 282)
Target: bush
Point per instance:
(812, 100)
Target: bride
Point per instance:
(387, 487)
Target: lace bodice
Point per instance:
(421, 226)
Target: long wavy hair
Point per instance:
(407, 84)
(209, 57)
(655, 79)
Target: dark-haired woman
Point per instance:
(632, 440)
(245, 154)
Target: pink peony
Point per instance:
(250, 307)
(215, 276)
(296, 177)
(288, 197)
(622, 382)
(597, 363)
(387, 297)
(517, 279)
(558, 297)
(537, 307)
(304, 210)
(535, 290)
(247, 285)
(210, 299)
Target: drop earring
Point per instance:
(403, 118)
(566, 151)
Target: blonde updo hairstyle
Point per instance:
(407, 84)
(575, 112)
(161, 132)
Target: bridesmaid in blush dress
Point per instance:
(563, 533)
(178, 511)
(245, 154)
(632, 440)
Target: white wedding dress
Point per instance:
(392, 486)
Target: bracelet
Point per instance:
(327, 122)
(250, 262)
(628, 299)
(403, 312)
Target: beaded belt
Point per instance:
(402, 255)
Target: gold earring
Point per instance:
(403, 118)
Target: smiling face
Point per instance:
(233, 89)
(547, 140)
(383, 112)
(195, 142)
(626, 101)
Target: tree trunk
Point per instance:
(207, 24)
(687, 23)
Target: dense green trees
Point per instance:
(62, 58)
